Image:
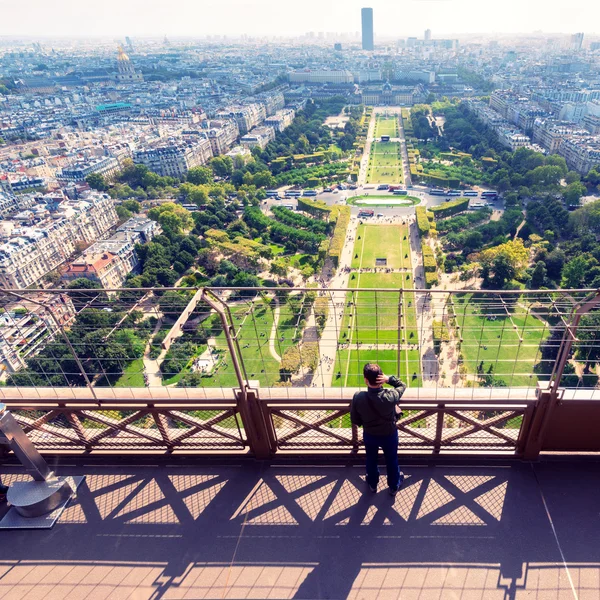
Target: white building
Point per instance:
(175, 159)
(321, 76)
(33, 251)
(26, 328)
(281, 119)
(259, 136)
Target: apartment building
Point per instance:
(33, 251)
(176, 158)
(281, 119)
(581, 153)
(8, 204)
(272, 101)
(222, 135)
(106, 166)
(108, 262)
(550, 133)
(321, 76)
(259, 136)
(246, 116)
(28, 326)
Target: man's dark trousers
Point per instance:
(389, 445)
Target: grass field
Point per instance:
(381, 241)
(385, 163)
(386, 126)
(405, 365)
(375, 320)
(490, 338)
(133, 375)
(254, 328)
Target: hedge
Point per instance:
(422, 221)
(314, 207)
(339, 233)
(440, 181)
(429, 262)
(321, 313)
(450, 208)
(431, 279)
(440, 334)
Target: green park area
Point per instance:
(388, 242)
(385, 163)
(386, 125)
(499, 345)
(375, 323)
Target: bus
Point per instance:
(293, 193)
(385, 138)
(272, 193)
(383, 186)
(400, 192)
(471, 193)
(454, 193)
(477, 205)
(366, 212)
(490, 194)
(309, 193)
(437, 192)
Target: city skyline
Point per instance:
(148, 18)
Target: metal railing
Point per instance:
(273, 370)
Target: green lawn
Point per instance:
(386, 126)
(133, 375)
(375, 317)
(253, 323)
(381, 241)
(405, 364)
(385, 163)
(489, 336)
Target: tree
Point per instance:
(504, 271)
(173, 303)
(199, 175)
(222, 166)
(123, 213)
(132, 206)
(573, 193)
(97, 182)
(573, 275)
(554, 263)
(538, 277)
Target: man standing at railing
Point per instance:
(376, 410)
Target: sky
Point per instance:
(393, 18)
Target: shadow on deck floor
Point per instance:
(256, 530)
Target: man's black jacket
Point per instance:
(375, 409)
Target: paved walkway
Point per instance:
(273, 335)
(254, 530)
(328, 344)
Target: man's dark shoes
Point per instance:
(393, 491)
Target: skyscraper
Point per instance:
(427, 35)
(367, 28)
(576, 41)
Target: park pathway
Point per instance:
(329, 339)
(273, 335)
(151, 365)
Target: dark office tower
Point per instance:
(367, 28)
